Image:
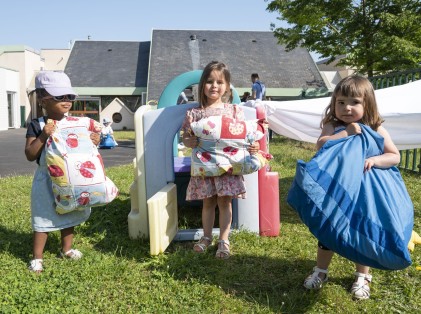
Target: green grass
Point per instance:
(117, 275)
(127, 135)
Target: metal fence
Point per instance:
(410, 158)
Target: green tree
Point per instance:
(375, 36)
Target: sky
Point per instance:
(55, 24)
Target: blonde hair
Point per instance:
(355, 86)
(217, 66)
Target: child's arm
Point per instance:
(95, 128)
(389, 158)
(35, 145)
(189, 139)
(329, 130)
(95, 138)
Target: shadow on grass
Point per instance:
(108, 230)
(287, 213)
(111, 223)
(275, 283)
(19, 244)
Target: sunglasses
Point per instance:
(61, 98)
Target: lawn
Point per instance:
(117, 275)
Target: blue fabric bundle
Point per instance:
(365, 217)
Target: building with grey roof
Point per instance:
(118, 68)
(143, 69)
(285, 74)
(137, 72)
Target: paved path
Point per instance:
(13, 160)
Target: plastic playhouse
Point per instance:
(161, 177)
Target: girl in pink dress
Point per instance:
(214, 89)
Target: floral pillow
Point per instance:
(223, 144)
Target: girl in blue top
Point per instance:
(353, 102)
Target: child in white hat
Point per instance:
(108, 130)
(55, 95)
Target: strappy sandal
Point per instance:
(202, 244)
(360, 289)
(35, 265)
(314, 282)
(222, 252)
(71, 254)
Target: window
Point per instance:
(11, 108)
(88, 107)
(117, 117)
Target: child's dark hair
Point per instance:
(355, 86)
(35, 97)
(39, 92)
(218, 66)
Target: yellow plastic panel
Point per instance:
(138, 216)
(163, 218)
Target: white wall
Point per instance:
(55, 59)
(27, 62)
(9, 82)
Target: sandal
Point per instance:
(223, 253)
(71, 254)
(314, 282)
(35, 265)
(202, 245)
(360, 289)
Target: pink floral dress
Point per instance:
(224, 185)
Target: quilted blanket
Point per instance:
(365, 217)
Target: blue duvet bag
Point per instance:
(364, 217)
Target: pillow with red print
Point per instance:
(223, 144)
(75, 166)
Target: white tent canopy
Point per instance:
(399, 106)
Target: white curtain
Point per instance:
(400, 107)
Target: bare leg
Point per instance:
(66, 239)
(208, 220)
(363, 270)
(324, 257)
(208, 215)
(225, 219)
(360, 289)
(40, 239)
(225, 216)
(319, 275)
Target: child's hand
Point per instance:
(369, 163)
(48, 129)
(253, 149)
(264, 123)
(95, 138)
(353, 128)
(97, 127)
(190, 141)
